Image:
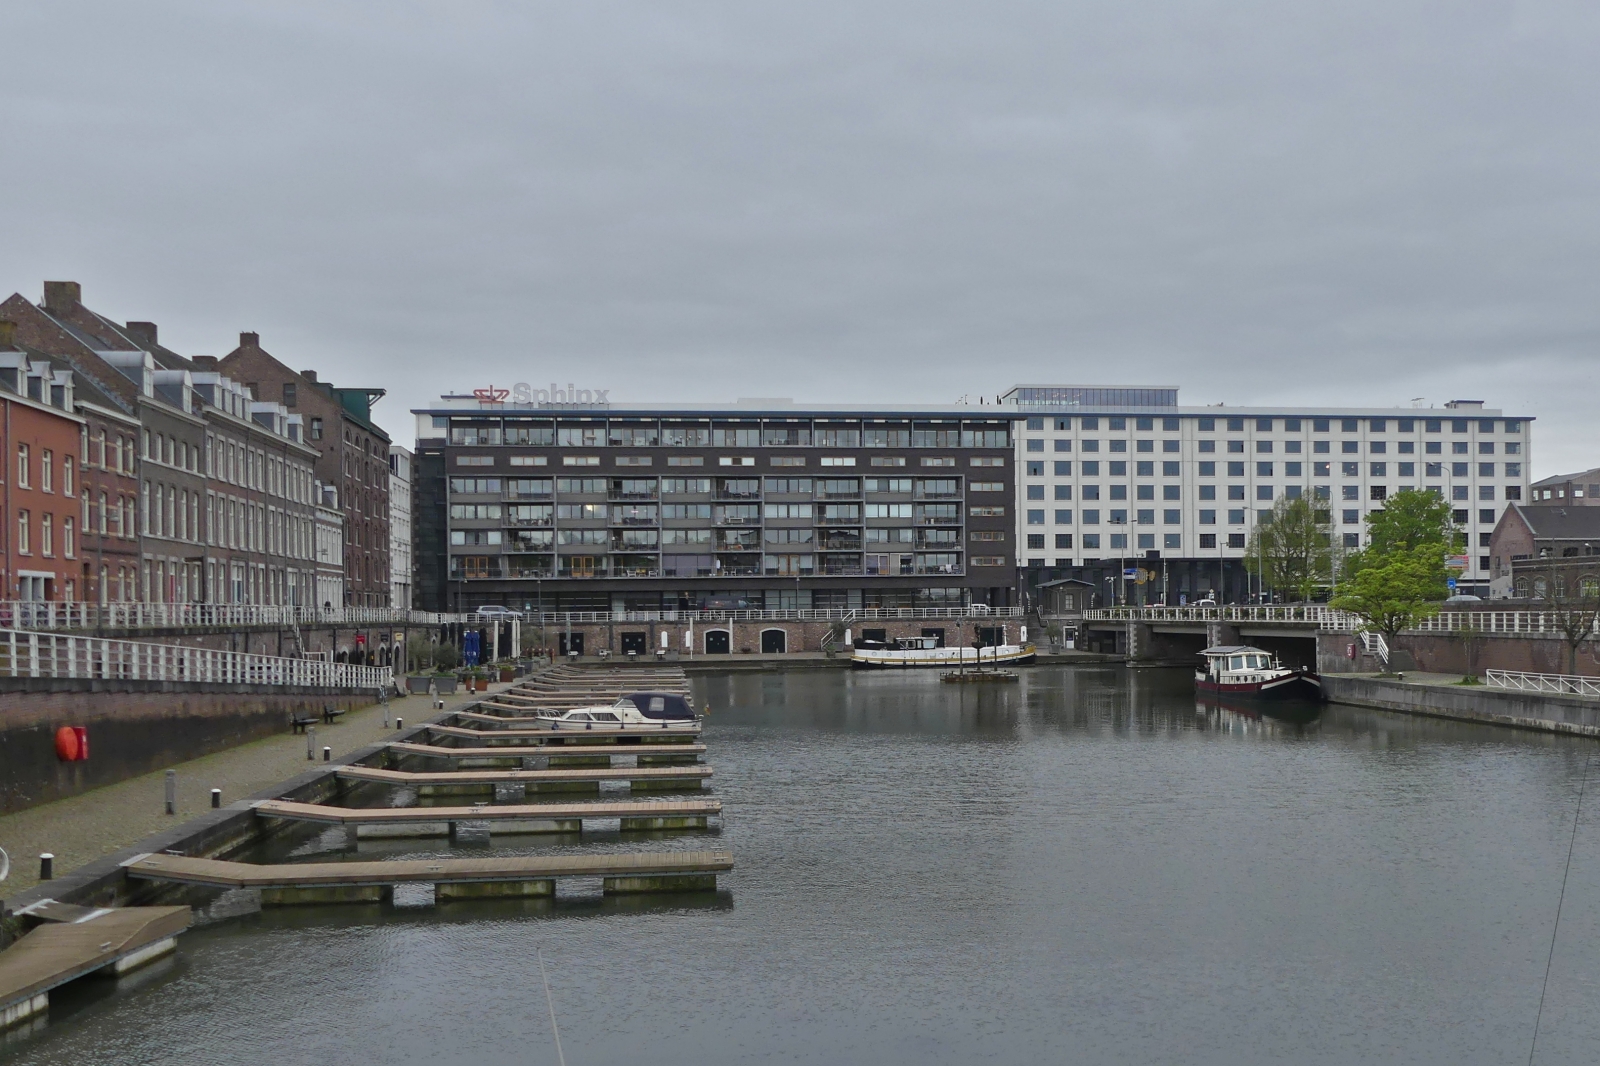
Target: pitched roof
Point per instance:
(1590, 475)
(1562, 523)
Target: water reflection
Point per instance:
(1088, 866)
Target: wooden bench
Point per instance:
(298, 723)
(331, 714)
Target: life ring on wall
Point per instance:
(67, 749)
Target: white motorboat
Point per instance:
(1241, 671)
(635, 709)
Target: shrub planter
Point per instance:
(447, 685)
(508, 673)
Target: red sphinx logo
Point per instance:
(491, 394)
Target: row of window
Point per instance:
(826, 461)
(1236, 424)
(1173, 516)
(1263, 492)
(1266, 468)
(47, 470)
(46, 541)
(544, 513)
(649, 488)
(1290, 447)
(755, 433)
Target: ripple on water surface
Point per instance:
(1083, 867)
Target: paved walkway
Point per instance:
(83, 828)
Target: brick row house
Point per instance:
(40, 437)
(353, 459)
(193, 489)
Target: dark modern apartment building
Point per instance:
(582, 505)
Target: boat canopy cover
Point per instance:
(661, 705)
(1231, 649)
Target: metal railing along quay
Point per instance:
(62, 615)
(1328, 618)
(25, 653)
(1561, 684)
(860, 614)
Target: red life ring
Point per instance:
(67, 744)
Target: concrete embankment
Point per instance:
(1437, 696)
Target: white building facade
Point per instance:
(399, 527)
(330, 547)
(1117, 479)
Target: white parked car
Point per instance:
(498, 612)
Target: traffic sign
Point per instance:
(1131, 571)
(1450, 583)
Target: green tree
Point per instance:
(1407, 521)
(1293, 551)
(1395, 591)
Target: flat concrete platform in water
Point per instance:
(507, 728)
(317, 812)
(353, 882)
(531, 777)
(602, 751)
(116, 939)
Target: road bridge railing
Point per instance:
(1523, 622)
(32, 654)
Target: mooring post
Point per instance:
(399, 723)
(172, 792)
(47, 866)
(327, 754)
(216, 798)
(311, 742)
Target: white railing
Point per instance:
(51, 655)
(1328, 618)
(60, 615)
(1374, 644)
(860, 614)
(1563, 684)
(1320, 615)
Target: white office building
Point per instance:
(399, 527)
(1122, 478)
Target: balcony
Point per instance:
(631, 497)
(634, 520)
(923, 494)
(739, 520)
(737, 497)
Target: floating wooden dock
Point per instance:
(602, 753)
(81, 941)
(486, 878)
(499, 817)
(446, 782)
(510, 731)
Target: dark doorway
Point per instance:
(936, 634)
(773, 641)
(717, 642)
(639, 642)
(875, 636)
(991, 636)
(575, 644)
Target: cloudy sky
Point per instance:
(1262, 203)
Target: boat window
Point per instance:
(604, 716)
(1259, 662)
(658, 704)
(579, 716)
(1236, 662)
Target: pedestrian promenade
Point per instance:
(83, 828)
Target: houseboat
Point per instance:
(1243, 672)
(906, 652)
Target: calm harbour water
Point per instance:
(1079, 868)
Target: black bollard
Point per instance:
(216, 798)
(47, 866)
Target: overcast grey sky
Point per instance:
(1260, 202)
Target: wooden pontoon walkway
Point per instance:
(117, 939)
(502, 876)
(695, 773)
(489, 812)
(503, 751)
(637, 734)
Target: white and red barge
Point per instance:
(1243, 672)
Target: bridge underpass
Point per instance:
(1183, 641)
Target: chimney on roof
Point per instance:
(309, 375)
(249, 340)
(8, 334)
(209, 362)
(62, 295)
(143, 333)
